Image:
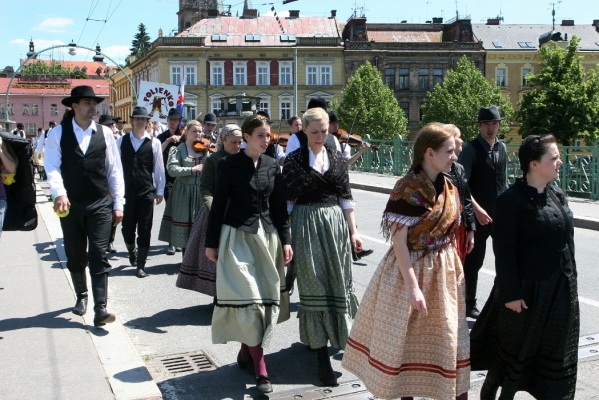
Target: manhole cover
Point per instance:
(166, 366)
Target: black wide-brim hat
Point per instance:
(81, 92)
(317, 103)
(140, 112)
(210, 118)
(333, 117)
(173, 113)
(489, 114)
(106, 120)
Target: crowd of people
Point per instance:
(249, 215)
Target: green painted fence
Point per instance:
(579, 175)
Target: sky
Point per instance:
(113, 23)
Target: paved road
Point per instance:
(162, 319)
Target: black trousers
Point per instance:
(137, 216)
(474, 260)
(86, 232)
(112, 234)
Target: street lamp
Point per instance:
(72, 48)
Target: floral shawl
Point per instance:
(430, 214)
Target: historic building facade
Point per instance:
(412, 58)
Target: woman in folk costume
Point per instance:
(197, 271)
(410, 336)
(248, 237)
(185, 164)
(319, 194)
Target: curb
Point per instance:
(579, 222)
(126, 372)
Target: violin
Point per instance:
(279, 138)
(203, 145)
(352, 140)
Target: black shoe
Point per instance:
(245, 364)
(111, 248)
(263, 384)
(171, 250)
(472, 311)
(102, 316)
(325, 370)
(178, 249)
(141, 273)
(364, 253)
(142, 256)
(100, 292)
(132, 254)
(81, 305)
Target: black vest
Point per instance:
(487, 178)
(83, 175)
(137, 167)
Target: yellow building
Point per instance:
(235, 66)
(122, 99)
(512, 53)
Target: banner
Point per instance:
(157, 98)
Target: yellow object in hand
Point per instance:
(62, 215)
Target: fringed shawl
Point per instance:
(430, 214)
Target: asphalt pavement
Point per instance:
(162, 334)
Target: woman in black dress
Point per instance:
(527, 333)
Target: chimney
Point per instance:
(567, 22)
(250, 13)
(334, 14)
(437, 20)
(212, 13)
(294, 13)
(492, 21)
(596, 22)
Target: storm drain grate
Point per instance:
(166, 366)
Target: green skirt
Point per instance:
(322, 254)
(180, 212)
(250, 279)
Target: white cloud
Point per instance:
(19, 41)
(40, 44)
(117, 53)
(54, 24)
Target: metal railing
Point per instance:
(579, 174)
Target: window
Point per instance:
(437, 76)
(105, 109)
(25, 109)
(190, 112)
(285, 110)
(287, 38)
(264, 103)
(497, 45)
(155, 74)
(97, 109)
(526, 45)
(239, 74)
(423, 79)
(53, 109)
(263, 74)
(176, 76)
(216, 104)
(219, 38)
(525, 71)
(285, 73)
(390, 78)
(34, 109)
(405, 106)
(404, 79)
(252, 38)
(319, 74)
(31, 129)
(500, 77)
(217, 73)
(1, 109)
(190, 75)
(10, 109)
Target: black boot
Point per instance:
(100, 291)
(488, 391)
(471, 310)
(132, 255)
(142, 256)
(80, 284)
(325, 370)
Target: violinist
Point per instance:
(345, 147)
(143, 170)
(185, 164)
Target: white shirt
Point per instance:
(114, 169)
(20, 133)
(41, 142)
(293, 144)
(158, 175)
(326, 165)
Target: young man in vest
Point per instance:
(143, 169)
(107, 121)
(86, 178)
(170, 138)
(485, 165)
(120, 126)
(210, 127)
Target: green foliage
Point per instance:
(55, 69)
(458, 100)
(369, 107)
(141, 42)
(561, 101)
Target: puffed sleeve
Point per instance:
(174, 164)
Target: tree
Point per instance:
(54, 69)
(368, 106)
(563, 100)
(141, 42)
(459, 98)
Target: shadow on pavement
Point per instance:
(200, 315)
(135, 375)
(49, 320)
(125, 269)
(47, 252)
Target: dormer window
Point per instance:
(219, 38)
(252, 38)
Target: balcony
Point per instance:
(318, 41)
(179, 41)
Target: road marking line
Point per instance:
(583, 300)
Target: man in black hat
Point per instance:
(19, 131)
(120, 126)
(86, 179)
(143, 169)
(107, 121)
(485, 166)
(170, 138)
(210, 127)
